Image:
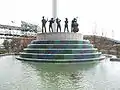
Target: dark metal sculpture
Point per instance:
(58, 24)
(74, 26)
(66, 25)
(44, 21)
(50, 24)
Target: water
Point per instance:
(21, 75)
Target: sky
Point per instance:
(94, 16)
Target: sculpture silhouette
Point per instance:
(58, 24)
(50, 24)
(74, 26)
(66, 25)
(44, 21)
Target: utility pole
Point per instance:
(94, 34)
(54, 13)
(113, 36)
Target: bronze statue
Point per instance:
(58, 24)
(50, 24)
(66, 25)
(44, 21)
(74, 26)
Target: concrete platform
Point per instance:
(60, 36)
(61, 60)
(57, 39)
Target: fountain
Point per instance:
(60, 47)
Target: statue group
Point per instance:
(74, 25)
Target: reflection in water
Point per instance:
(22, 75)
(62, 76)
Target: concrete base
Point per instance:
(59, 36)
(60, 60)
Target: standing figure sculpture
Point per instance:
(74, 26)
(58, 24)
(66, 25)
(50, 24)
(44, 21)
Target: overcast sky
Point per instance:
(104, 15)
